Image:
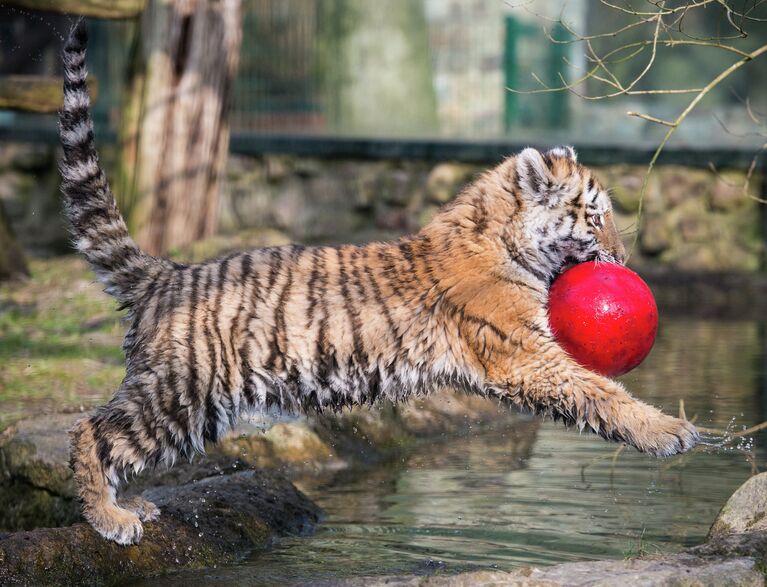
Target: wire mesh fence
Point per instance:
(446, 69)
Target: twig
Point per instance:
(690, 107)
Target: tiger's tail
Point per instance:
(99, 230)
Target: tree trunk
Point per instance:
(12, 265)
(175, 131)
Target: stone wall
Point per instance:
(692, 219)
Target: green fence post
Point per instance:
(510, 72)
(558, 113)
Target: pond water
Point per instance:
(537, 494)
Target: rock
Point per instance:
(729, 546)
(395, 187)
(291, 444)
(745, 511)
(678, 184)
(32, 157)
(37, 487)
(446, 179)
(213, 521)
(367, 434)
(427, 214)
(277, 167)
(360, 179)
(37, 453)
(24, 507)
(307, 167)
(388, 218)
(656, 235)
(727, 193)
(672, 571)
(625, 185)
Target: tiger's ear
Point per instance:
(563, 152)
(535, 178)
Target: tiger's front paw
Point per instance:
(664, 436)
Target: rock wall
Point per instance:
(692, 219)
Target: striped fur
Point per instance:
(462, 303)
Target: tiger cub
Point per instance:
(462, 303)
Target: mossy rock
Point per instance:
(213, 521)
(745, 511)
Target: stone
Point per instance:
(655, 236)
(360, 180)
(625, 185)
(366, 434)
(33, 158)
(691, 221)
(277, 167)
(296, 443)
(745, 511)
(729, 546)
(213, 521)
(427, 214)
(36, 453)
(445, 180)
(703, 573)
(395, 187)
(388, 218)
(663, 571)
(308, 167)
(284, 444)
(728, 190)
(678, 184)
(36, 486)
(682, 570)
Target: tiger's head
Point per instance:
(536, 212)
(565, 214)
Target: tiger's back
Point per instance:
(293, 327)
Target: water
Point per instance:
(537, 494)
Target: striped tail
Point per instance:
(98, 228)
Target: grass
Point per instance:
(60, 338)
(638, 548)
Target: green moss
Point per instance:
(60, 338)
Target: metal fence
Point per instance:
(414, 78)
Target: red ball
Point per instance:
(604, 316)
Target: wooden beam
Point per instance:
(97, 8)
(33, 93)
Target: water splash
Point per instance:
(729, 440)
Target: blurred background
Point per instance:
(234, 123)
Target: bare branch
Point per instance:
(690, 107)
(650, 118)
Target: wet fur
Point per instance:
(461, 303)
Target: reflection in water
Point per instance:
(536, 494)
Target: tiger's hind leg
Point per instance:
(102, 449)
(98, 490)
(143, 508)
